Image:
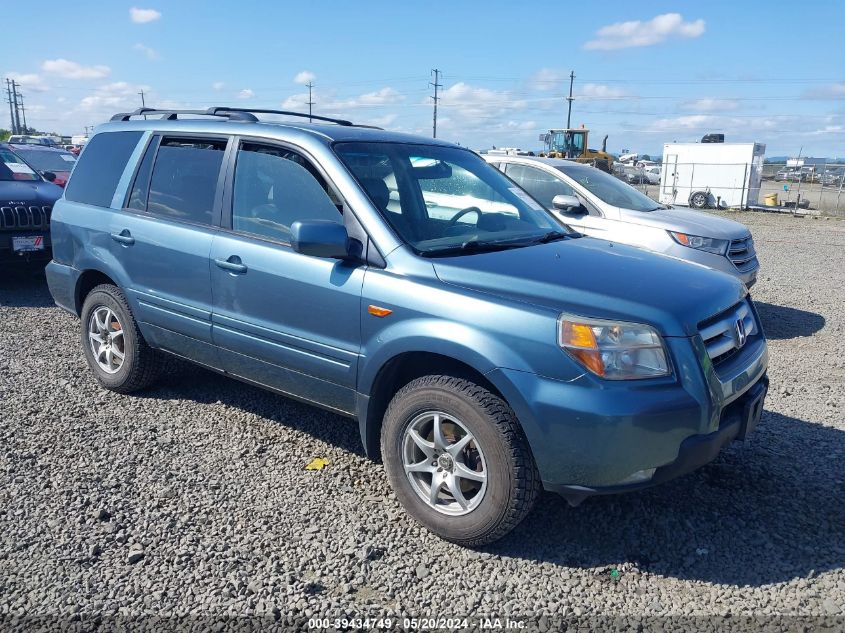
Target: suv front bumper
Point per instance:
(590, 436)
(738, 421)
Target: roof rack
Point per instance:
(172, 115)
(222, 111)
(233, 114)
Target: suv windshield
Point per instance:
(445, 199)
(12, 167)
(610, 189)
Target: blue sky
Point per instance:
(646, 72)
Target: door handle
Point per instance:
(124, 237)
(233, 264)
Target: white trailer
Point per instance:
(701, 175)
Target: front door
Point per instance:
(284, 320)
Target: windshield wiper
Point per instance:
(474, 246)
(554, 236)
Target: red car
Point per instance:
(47, 161)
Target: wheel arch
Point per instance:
(397, 372)
(87, 281)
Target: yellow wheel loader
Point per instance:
(572, 144)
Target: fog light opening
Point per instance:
(638, 477)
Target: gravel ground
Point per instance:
(193, 498)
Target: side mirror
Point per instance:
(563, 202)
(48, 175)
(320, 238)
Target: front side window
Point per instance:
(184, 179)
(609, 189)
(274, 187)
(439, 199)
(540, 184)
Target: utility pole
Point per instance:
(11, 105)
(15, 100)
(310, 100)
(435, 98)
(143, 103)
(25, 129)
(570, 99)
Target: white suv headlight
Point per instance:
(614, 350)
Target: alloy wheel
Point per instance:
(444, 463)
(105, 336)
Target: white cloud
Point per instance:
(143, 16)
(73, 70)
(30, 82)
(639, 33)
(547, 79)
(217, 86)
(833, 91)
(246, 93)
(382, 121)
(384, 96)
(472, 102)
(599, 92)
(304, 77)
(119, 95)
(710, 104)
(328, 102)
(150, 53)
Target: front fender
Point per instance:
(457, 341)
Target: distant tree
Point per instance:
(5, 134)
(645, 157)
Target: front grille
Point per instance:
(720, 333)
(24, 217)
(742, 254)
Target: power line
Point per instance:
(435, 98)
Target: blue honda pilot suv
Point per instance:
(486, 350)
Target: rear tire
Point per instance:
(108, 332)
(494, 472)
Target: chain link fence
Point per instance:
(816, 189)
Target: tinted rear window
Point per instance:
(100, 167)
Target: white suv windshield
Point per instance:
(444, 199)
(610, 189)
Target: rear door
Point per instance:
(282, 319)
(163, 237)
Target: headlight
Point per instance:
(614, 350)
(708, 244)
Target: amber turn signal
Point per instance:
(379, 311)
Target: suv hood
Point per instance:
(596, 278)
(28, 191)
(688, 221)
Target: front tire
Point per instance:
(116, 352)
(458, 460)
